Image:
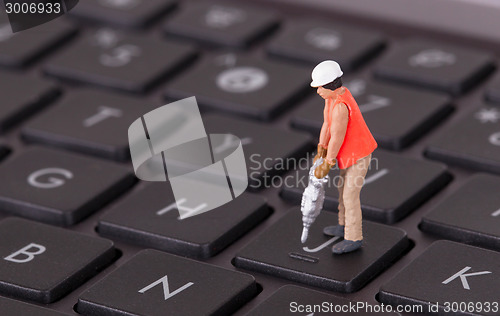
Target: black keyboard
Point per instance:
(80, 234)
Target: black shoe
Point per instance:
(337, 230)
(346, 246)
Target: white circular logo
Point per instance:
(242, 79)
(495, 139)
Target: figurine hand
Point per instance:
(323, 169)
(321, 153)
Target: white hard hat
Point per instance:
(325, 72)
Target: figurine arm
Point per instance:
(324, 136)
(340, 118)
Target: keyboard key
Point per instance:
(158, 226)
(269, 151)
(225, 24)
(385, 197)
(448, 272)
(313, 41)
(42, 263)
(279, 252)
(435, 65)
(242, 85)
(295, 299)
(411, 113)
(110, 59)
(155, 284)
(58, 187)
(473, 143)
(90, 122)
(470, 215)
(18, 103)
(21, 48)
(128, 13)
(11, 307)
(493, 93)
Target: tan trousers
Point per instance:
(350, 184)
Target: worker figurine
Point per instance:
(344, 140)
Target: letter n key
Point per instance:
(157, 283)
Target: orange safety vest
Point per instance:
(358, 141)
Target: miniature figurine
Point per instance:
(344, 140)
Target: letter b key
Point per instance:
(43, 263)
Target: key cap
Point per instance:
(21, 48)
(90, 122)
(128, 13)
(268, 151)
(473, 143)
(493, 93)
(313, 41)
(396, 116)
(279, 252)
(58, 187)
(435, 65)
(22, 96)
(454, 219)
(447, 272)
(158, 225)
(42, 263)
(295, 299)
(384, 198)
(242, 85)
(110, 59)
(155, 283)
(225, 24)
(11, 307)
